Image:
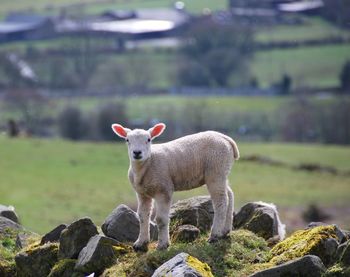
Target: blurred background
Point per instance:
(272, 74)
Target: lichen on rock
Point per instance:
(304, 242)
(202, 268)
(183, 264)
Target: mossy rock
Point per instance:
(233, 256)
(7, 269)
(8, 226)
(197, 211)
(8, 251)
(185, 233)
(36, 260)
(75, 237)
(100, 253)
(65, 268)
(304, 242)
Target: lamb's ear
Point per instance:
(157, 130)
(120, 130)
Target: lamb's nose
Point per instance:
(137, 154)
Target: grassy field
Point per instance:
(309, 66)
(312, 28)
(53, 181)
(154, 106)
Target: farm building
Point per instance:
(26, 27)
(138, 24)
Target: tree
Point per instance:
(109, 114)
(345, 77)
(284, 85)
(71, 123)
(213, 52)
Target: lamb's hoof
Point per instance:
(162, 246)
(226, 234)
(140, 247)
(213, 239)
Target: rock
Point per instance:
(347, 235)
(36, 261)
(183, 265)
(197, 211)
(186, 233)
(9, 212)
(123, 225)
(75, 237)
(330, 247)
(54, 234)
(307, 266)
(7, 225)
(65, 268)
(340, 250)
(100, 253)
(316, 241)
(345, 257)
(260, 218)
(342, 236)
(25, 238)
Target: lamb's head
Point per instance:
(139, 140)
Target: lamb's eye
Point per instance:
(127, 140)
(149, 140)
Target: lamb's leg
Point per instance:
(217, 191)
(144, 212)
(163, 203)
(230, 208)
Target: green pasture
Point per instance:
(153, 106)
(308, 66)
(54, 181)
(311, 28)
(318, 66)
(143, 107)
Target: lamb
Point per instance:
(156, 171)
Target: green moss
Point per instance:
(231, 257)
(121, 249)
(63, 268)
(303, 242)
(116, 270)
(200, 267)
(7, 269)
(8, 233)
(32, 247)
(37, 260)
(337, 270)
(8, 251)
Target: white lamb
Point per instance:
(156, 171)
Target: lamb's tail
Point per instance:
(234, 147)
